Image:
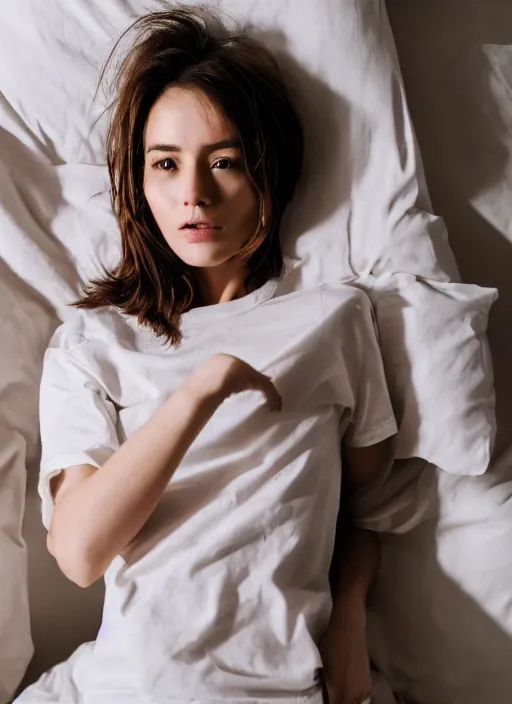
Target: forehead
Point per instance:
(184, 117)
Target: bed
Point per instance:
(440, 627)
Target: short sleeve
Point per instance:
(372, 419)
(78, 422)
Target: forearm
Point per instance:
(346, 666)
(356, 554)
(354, 567)
(98, 518)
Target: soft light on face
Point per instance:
(194, 180)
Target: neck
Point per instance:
(222, 283)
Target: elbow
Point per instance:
(73, 562)
(367, 467)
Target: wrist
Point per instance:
(204, 389)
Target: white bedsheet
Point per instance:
(55, 224)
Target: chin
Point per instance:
(204, 256)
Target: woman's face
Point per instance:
(194, 179)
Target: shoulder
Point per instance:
(296, 303)
(93, 345)
(88, 351)
(330, 302)
(104, 326)
(345, 300)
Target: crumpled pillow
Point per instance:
(438, 366)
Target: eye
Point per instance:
(165, 165)
(222, 164)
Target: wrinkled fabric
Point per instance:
(224, 593)
(363, 209)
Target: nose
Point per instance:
(198, 187)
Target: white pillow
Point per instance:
(439, 369)
(363, 205)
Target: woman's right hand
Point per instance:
(223, 375)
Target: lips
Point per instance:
(199, 225)
(200, 232)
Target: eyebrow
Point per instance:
(224, 144)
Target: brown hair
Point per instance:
(241, 77)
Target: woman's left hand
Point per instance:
(346, 666)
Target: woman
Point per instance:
(191, 415)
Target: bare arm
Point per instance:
(356, 554)
(354, 567)
(99, 511)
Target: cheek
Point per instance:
(157, 200)
(244, 204)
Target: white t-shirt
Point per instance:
(224, 594)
